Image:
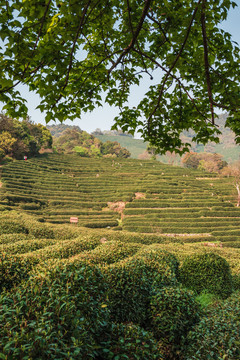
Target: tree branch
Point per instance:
(160, 27)
(177, 79)
(80, 25)
(135, 35)
(206, 62)
(173, 65)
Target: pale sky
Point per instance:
(103, 117)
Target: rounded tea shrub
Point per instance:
(162, 257)
(132, 283)
(207, 272)
(40, 231)
(111, 252)
(217, 335)
(174, 311)
(12, 238)
(13, 269)
(129, 341)
(10, 226)
(61, 313)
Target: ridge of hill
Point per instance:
(137, 147)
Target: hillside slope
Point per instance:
(143, 197)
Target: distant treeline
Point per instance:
(22, 138)
(71, 139)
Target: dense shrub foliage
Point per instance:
(217, 336)
(207, 272)
(133, 281)
(62, 314)
(14, 269)
(174, 311)
(129, 341)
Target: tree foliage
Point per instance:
(19, 138)
(70, 53)
(204, 161)
(86, 145)
(233, 170)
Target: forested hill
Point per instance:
(226, 147)
(137, 147)
(71, 139)
(22, 138)
(57, 130)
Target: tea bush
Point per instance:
(236, 282)
(208, 272)
(30, 206)
(39, 232)
(25, 246)
(8, 226)
(129, 341)
(13, 222)
(65, 249)
(61, 314)
(13, 238)
(110, 252)
(174, 311)
(217, 335)
(154, 257)
(13, 269)
(132, 283)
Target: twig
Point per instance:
(206, 62)
(134, 38)
(173, 65)
(178, 80)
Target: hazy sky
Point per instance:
(103, 117)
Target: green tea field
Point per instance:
(135, 196)
(150, 271)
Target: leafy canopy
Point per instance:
(19, 138)
(71, 52)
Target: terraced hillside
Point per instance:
(128, 195)
(72, 292)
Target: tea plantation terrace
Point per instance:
(128, 195)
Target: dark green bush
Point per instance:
(41, 231)
(12, 238)
(30, 206)
(207, 272)
(217, 335)
(132, 283)
(110, 252)
(236, 282)
(129, 341)
(173, 312)
(13, 269)
(9, 226)
(156, 257)
(61, 314)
